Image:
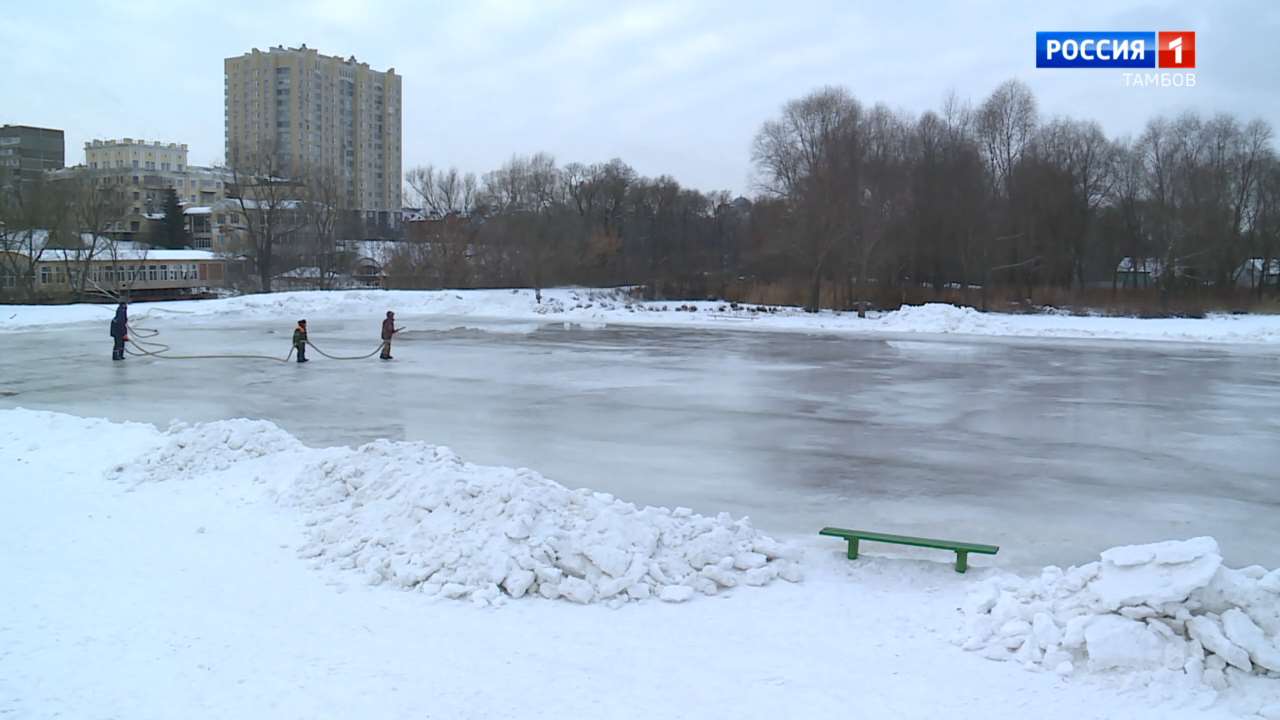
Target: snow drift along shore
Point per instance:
(417, 517)
(1169, 609)
(597, 307)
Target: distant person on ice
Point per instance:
(388, 329)
(300, 340)
(119, 331)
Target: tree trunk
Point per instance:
(815, 290)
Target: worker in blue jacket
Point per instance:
(119, 331)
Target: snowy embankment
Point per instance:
(182, 556)
(595, 308)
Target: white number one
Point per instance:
(1176, 46)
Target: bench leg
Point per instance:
(853, 548)
(962, 560)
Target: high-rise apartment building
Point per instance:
(315, 112)
(26, 152)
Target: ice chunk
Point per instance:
(1242, 631)
(1271, 582)
(1233, 589)
(454, 590)
(1171, 573)
(1116, 642)
(611, 560)
(982, 598)
(1015, 628)
(577, 590)
(1170, 552)
(1205, 630)
(1137, 612)
(1046, 631)
(676, 593)
(1075, 632)
(518, 582)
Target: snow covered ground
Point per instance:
(333, 562)
(153, 574)
(597, 307)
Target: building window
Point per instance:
(44, 274)
(135, 164)
(135, 194)
(135, 179)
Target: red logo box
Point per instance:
(1177, 50)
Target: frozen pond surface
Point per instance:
(1053, 449)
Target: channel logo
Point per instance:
(1174, 50)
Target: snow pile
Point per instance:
(417, 517)
(195, 450)
(1167, 609)
(942, 318)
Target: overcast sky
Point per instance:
(672, 87)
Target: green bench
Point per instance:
(961, 549)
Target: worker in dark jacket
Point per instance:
(388, 329)
(119, 331)
(300, 340)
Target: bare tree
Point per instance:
(809, 156)
(98, 205)
(270, 203)
(323, 198)
(34, 219)
(1006, 125)
(442, 192)
(1265, 224)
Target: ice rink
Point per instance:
(1053, 449)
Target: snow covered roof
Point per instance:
(306, 273)
(198, 211)
(1127, 264)
(176, 255)
(379, 251)
(1254, 266)
(1150, 265)
(250, 204)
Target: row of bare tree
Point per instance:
(532, 222)
(972, 196)
(855, 198)
(68, 218)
